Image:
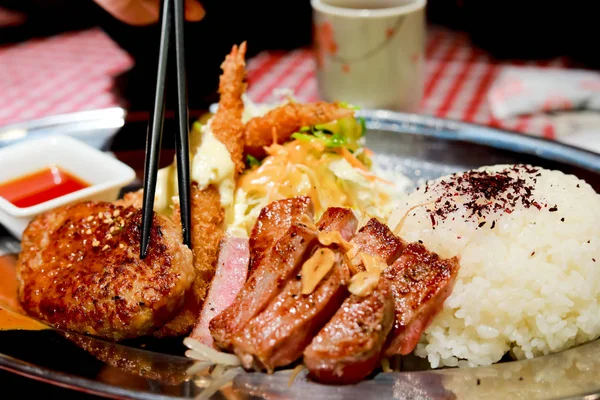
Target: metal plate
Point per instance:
(420, 147)
(95, 127)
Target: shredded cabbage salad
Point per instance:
(328, 162)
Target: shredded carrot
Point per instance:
(344, 152)
(373, 178)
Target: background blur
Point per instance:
(207, 41)
(509, 29)
(529, 66)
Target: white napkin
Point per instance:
(579, 129)
(531, 90)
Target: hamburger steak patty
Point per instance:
(80, 270)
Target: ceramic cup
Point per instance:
(370, 53)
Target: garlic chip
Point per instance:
(315, 268)
(372, 263)
(363, 283)
(334, 237)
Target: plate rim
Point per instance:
(408, 123)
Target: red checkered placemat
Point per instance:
(73, 72)
(65, 73)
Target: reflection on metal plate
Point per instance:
(417, 146)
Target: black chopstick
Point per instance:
(181, 140)
(172, 15)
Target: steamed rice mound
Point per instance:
(528, 240)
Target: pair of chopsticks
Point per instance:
(172, 20)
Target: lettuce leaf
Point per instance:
(251, 161)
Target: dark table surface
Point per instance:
(19, 387)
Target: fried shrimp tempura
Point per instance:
(280, 123)
(207, 218)
(227, 123)
(207, 213)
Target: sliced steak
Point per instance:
(421, 281)
(339, 219)
(377, 239)
(230, 276)
(280, 262)
(348, 348)
(274, 220)
(279, 335)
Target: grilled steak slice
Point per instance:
(280, 262)
(279, 335)
(377, 239)
(421, 281)
(347, 349)
(274, 220)
(230, 276)
(338, 219)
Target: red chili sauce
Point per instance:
(40, 186)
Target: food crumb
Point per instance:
(562, 219)
(520, 378)
(532, 254)
(478, 381)
(553, 209)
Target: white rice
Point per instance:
(529, 286)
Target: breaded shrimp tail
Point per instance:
(280, 123)
(207, 213)
(207, 217)
(227, 123)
